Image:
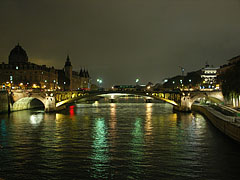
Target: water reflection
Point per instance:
(148, 123)
(136, 150)
(36, 119)
(100, 154)
(112, 125)
(114, 141)
(71, 110)
(3, 134)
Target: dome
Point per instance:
(18, 55)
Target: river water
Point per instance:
(115, 141)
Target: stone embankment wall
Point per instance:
(4, 102)
(229, 125)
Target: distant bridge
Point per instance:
(56, 100)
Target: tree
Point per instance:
(230, 81)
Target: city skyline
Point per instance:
(122, 41)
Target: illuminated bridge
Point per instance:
(57, 100)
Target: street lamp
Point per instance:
(64, 83)
(11, 82)
(54, 81)
(190, 83)
(137, 80)
(99, 82)
(181, 81)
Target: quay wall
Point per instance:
(226, 124)
(4, 102)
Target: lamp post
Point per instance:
(100, 82)
(190, 83)
(64, 83)
(173, 85)
(54, 81)
(137, 80)
(11, 82)
(45, 83)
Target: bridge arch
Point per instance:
(216, 97)
(181, 100)
(28, 103)
(146, 95)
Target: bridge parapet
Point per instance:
(54, 100)
(67, 95)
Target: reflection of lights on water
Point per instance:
(149, 110)
(174, 117)
(113, 105)
(3, 127)
(113, 120)
(100, 147)
(36, 119)
(71, 110)
(59, 117)
(137, 142)
(148, 125)
(96, 103)
(198, 121)
(149, 105)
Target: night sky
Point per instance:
(121, 40)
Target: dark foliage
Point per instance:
(230, 81)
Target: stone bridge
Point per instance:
(57, 100)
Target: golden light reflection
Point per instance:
(96, 103)
(59, 117)
(174, 117)
(112, 123)
(113, 111)
(148, 123)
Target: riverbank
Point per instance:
(229, 125)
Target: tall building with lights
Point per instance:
(209, 77)
(72, 80)
(19, 73)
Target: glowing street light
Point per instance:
(137, 80)
(99, 82)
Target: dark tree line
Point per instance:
(230, 81)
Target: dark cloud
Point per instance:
(122, 40)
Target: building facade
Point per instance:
(72, 80)
(19, 73)
(209, 78)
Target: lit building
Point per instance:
(72, 80)
(209, 78)
(19, 73)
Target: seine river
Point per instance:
(115, 141)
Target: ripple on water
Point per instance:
(114, 141)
